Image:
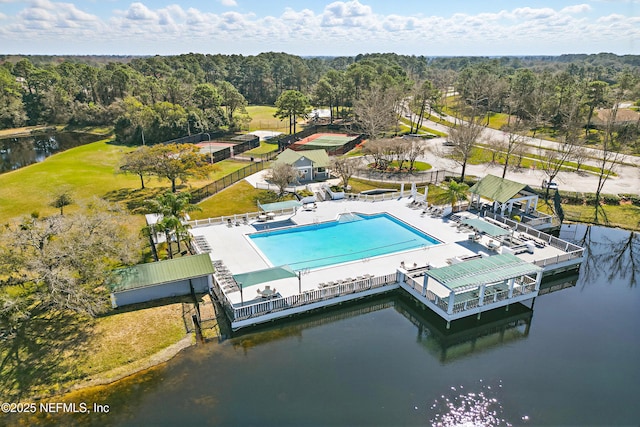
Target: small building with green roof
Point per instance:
(162, 279)
(311, 164)
(504, 194)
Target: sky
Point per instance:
(320, 27)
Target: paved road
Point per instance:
(627, 181)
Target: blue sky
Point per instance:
(320, 27)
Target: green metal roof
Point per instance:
(496, 188)
(319, 158)
(263, 276)
(486, 227)
(155, 273)
(470, 274)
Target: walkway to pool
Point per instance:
(235, 253)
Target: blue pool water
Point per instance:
(351, 238)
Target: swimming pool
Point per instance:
(350, 238)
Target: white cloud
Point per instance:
(229, 3)
(530, 13)
(351, 13)
(347, 25)
(578, 8)
(140, 12)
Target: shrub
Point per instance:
(611, 199)
(305, 193)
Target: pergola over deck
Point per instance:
(485, 227)
(483, 283)
(504, 194)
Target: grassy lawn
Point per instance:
(481, 154)
(6, 133)
(623, 216)
(405, 126)
(358, 185)
(264, 148)
(76, 349)
(239, 198)
(126, 337)
(84, 171)
(417, 166)
(497, 120)
(262, 119)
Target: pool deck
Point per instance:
(231, 245)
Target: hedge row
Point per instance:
(590, 198)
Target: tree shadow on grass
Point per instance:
(42, 355)
(134, 199)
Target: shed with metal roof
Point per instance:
(162, 279)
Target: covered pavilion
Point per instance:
(504, 194)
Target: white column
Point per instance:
(402, 189)
(511, 283)
(481, 295)
(425, 283)
(538, 280)
(452, 300)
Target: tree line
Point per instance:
(162, 97)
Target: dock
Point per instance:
(482, 263)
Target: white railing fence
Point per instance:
(236, 218)
(308, 297)
(373, 197)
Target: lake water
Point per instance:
(25, 150)
(573, 359)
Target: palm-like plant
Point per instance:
(455, 192)
(174, 208)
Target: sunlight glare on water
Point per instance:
(461, 408)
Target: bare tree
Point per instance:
(375, 112)
(344, 168)
(282, 174)
(608, 160)
(497, 147)
(464, 137)
(415, 150)
(400, 149)
(552, 160)
(53, 260)
(579, 156)
(514, 143)
(379, 150)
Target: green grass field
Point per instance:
(262, 119)
(239, 198)
(84, 171)
(623, 216)
(264, 148)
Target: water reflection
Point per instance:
(469, 335)
(460, 408)
(386, 361)
(618, 250)
(18, 152)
